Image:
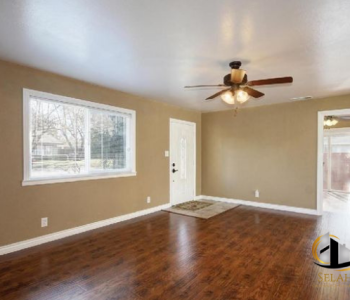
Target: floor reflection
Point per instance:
(336, 202)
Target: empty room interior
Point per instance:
(174, 149)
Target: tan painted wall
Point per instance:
(270, 148)
(69, 205)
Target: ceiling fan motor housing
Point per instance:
(235, 64)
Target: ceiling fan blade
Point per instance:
(210, 85)
(217, 94)
(253, 93)
(271, 81)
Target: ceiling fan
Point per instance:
(238, 88)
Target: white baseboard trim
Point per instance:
(262, 205)
(69, 232)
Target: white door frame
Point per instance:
(171, 120)
(320, 141)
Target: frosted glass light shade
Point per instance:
(237, 75)
(228, 97)
(241, 96)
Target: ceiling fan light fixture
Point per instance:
(241, 96)
(330, 121)
(228, 97)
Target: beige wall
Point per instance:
(270, 148)
(69, 205)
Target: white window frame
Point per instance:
(27, 180)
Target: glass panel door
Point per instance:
(326, 185)
(340, 163)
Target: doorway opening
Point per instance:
(334, 162)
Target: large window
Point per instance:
(67, 139)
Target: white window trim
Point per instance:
(27, 94)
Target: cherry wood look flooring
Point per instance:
(244, 253)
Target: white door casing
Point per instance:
(183, 155)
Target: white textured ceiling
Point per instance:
(153, 48)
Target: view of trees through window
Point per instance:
(107, 141)
(69, 139)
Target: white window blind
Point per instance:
(68, 139)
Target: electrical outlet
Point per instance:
(44, 222)
(148, 199)
(257, 194)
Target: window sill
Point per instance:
(74, 179)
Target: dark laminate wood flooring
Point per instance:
(244, 253)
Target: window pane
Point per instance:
(108, 141)
(57, 139)
(75, 138)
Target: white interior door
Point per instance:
(182, 161)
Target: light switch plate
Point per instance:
(166, 153)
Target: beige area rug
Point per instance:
(203, 209)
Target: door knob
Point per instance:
(173, 170)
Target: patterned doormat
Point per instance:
(203, 209)
(193, 205)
